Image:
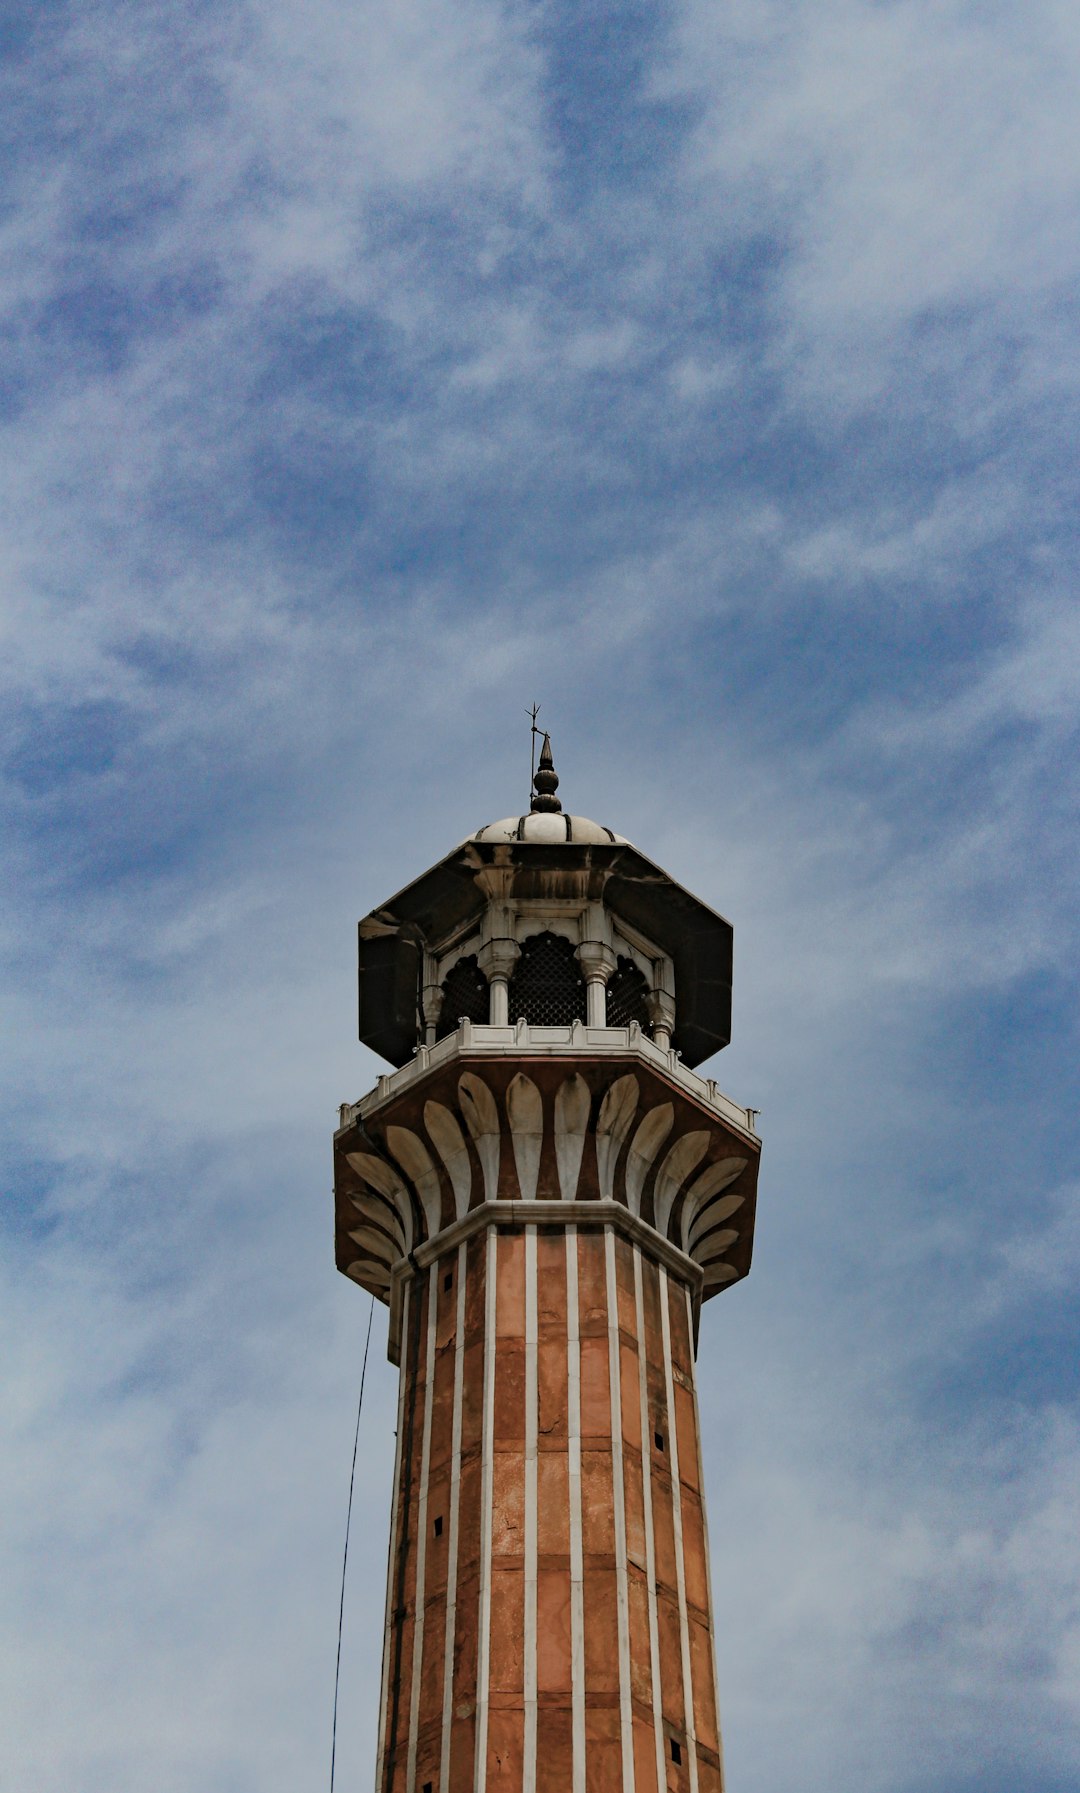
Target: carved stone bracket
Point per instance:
(535, 1140)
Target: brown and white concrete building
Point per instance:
(544, 1192)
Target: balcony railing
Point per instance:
(473, 1039)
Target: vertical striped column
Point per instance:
(618, 1512)
(486, 1519)
(555, 1506)
(452, 1570)
(392, 1623)
(709, 1721)
(548, 1618)
(643, 1552)
(472, 1543)
(420, 1610)
(577, 1551)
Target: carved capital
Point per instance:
(497, 958)
(597, 961)
(660, 1008)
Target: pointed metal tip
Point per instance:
(546, 782)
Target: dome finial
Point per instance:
(546, 781)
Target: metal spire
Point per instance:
(546, 780)
(533, 713)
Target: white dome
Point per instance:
(551, 829)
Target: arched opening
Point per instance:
(626, 992)
(547, 986)
(465, 994)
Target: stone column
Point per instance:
(549, 1613)
(548, 1625)
(432, 1002)
(660, 1008)
(496, 960)
(597, 963)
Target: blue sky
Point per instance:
(709, 373)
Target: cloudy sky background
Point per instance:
(708, 372)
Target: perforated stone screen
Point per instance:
(626, 993)
(465, 994)
(547, 987)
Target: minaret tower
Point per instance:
(544, 1192)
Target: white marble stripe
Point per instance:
(483, 1664)
(572, 1105)
(676, 1508)
(391, 1567)
(705, 1533)
(422, 1525)
(532, 1428)
(525, 1112)
(650, 1529)
(577, 1561)
(622, 1590)
(452, 1530)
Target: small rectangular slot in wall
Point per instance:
(438, 1526)
(676, 1752)
(658, 1440)
(448, 1281)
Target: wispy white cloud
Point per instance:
(369, 377)
(918, 159)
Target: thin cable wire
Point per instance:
(345, 1557)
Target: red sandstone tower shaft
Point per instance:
(544, 1205)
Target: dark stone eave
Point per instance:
(445, 901)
